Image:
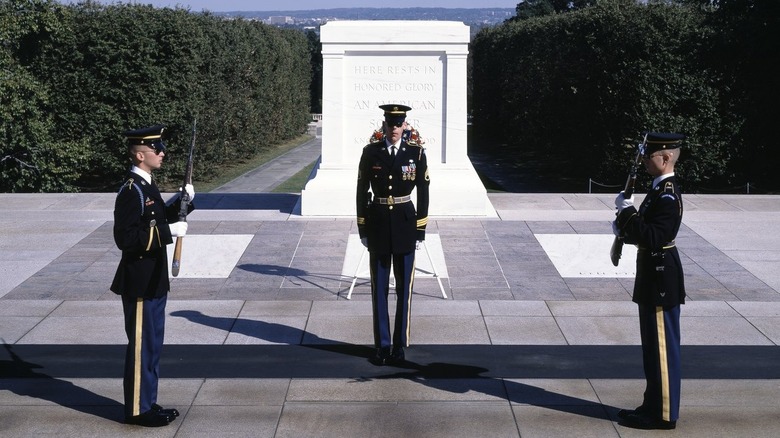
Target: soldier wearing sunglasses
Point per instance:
(143, 226)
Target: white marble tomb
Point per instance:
(421, 64)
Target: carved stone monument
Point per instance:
(421, 64)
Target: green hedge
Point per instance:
(573, 89)
(579, 87)
(94, 71)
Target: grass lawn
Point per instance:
(296, 183)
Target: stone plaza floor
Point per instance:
(537, 336)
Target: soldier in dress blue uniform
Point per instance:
(659, 289)
(143, 226)
(390, 226)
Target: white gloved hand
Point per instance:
(621, 202)
(419, 244)
(615, 229)
(190, 191)
(364, 241)
(178, 229)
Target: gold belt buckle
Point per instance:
(390, 200)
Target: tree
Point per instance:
(575, 89)
(31, 158)
(745, 51)
(539, 8)
(533, 8)
(315, 56)
(82, 74)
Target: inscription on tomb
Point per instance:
(416, 81)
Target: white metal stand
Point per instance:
(363, 255)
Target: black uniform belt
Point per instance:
(668, 245)
(393, 200)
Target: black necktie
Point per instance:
(392, 152)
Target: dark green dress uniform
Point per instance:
(141, 232)
(659, 289)
(392, 227)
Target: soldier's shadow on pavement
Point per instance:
(275, 333)
(459, 378)
(451, 377)
(29, 383)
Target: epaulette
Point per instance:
(422, 151)
(131, 184)
(668, 192)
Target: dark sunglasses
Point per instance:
(158, 147)
(396, 124)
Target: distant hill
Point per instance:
(473, 17)
(386, 13)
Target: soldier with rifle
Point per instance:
(659, 289)
(143, 226)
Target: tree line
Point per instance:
(74, 78)
(577, 83)
(571, 83)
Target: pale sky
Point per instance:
(290, 5)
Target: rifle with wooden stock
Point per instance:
(185, 203)
(617, 245)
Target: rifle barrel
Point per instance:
(616, 251)
(184, 204)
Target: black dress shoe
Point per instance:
(640, 421)
(161, 410)
(381, 356)
(623, 413)
(397, 356)
(150, 418)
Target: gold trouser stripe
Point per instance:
(664, 365)
(151, 235)
(409, 305)
(139, 326)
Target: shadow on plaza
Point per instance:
(28, 382)
(330, 283)
(281, 202)
(452, 377)
(462, 378)
(274, 333)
